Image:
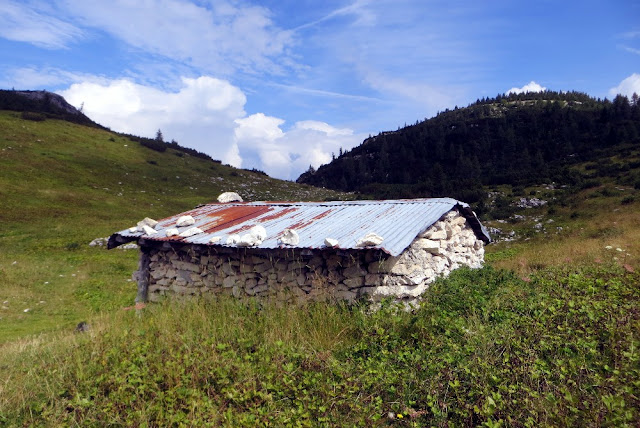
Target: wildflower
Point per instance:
(619, 249)
(608, 247)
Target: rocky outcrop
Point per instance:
(53, 99)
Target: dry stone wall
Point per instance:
(307, 275)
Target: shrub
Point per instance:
(72, 246)
(33, 116)
(634, 164)
(156, 145)
(589, 184)
(628, 200)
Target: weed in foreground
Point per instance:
(485, 348)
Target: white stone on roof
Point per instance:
(185, 220)
(290, 237)
(227, 197)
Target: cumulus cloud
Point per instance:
(208, 115)
(529, 87)
(200, 115)
(286, 154)
(32, 23)
(627, 87)
(259, 127)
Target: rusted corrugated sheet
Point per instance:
(397, 221)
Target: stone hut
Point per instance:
(300, 251)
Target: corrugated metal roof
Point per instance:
(397, 221)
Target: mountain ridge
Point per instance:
(516, 139)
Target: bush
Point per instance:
(517, 191)
(156, 145)
(589, 184)
(35, 117)
(634, 164)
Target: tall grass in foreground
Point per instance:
(486, 348)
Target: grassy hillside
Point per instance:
(62, 185)
(552, 341)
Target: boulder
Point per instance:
(190, 232)
(227, 197)
(172, 232)
(147, 230)
(185, 220)
(371, 239)
(290, 237)
(146, 222)
(331, 243)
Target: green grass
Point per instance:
(62, 185)
(552, 341)
(486, 348)
(583, 223)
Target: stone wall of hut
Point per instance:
(307, 275)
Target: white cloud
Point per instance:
(426, 99)
(319, 141)
(208, 115)
(259, 127)
(358, 9)
(286, 154)
(200, 115)
(627, 87)
(529, 87)
(32, 23)
(314, 125)
(631, 50)
(218, 35)
(37, 78)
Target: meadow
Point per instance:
(486, 348)
(546, 334)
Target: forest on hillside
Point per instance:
(517, 139)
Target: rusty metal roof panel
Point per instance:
(397, 221)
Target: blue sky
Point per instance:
(281, 84)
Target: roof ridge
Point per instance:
(338, 202)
